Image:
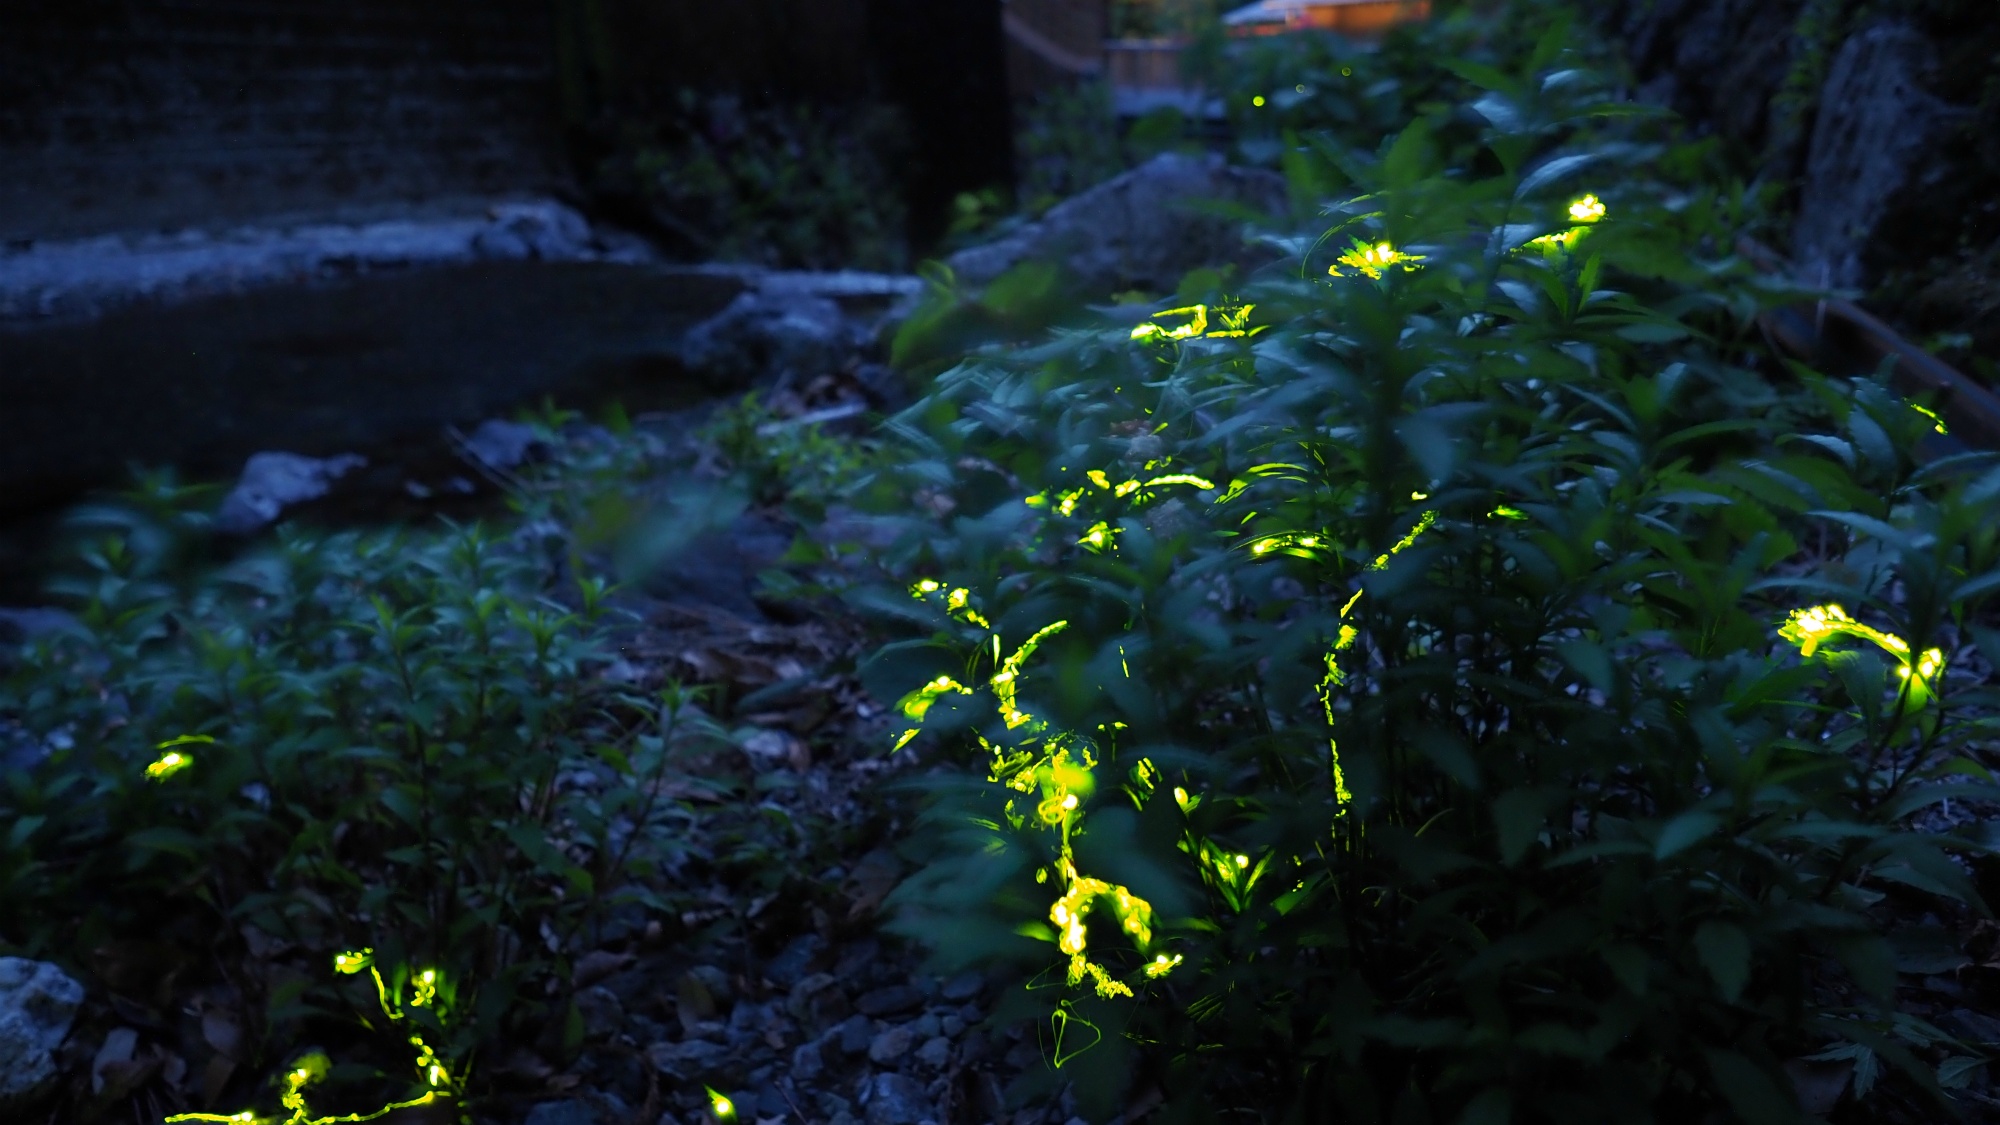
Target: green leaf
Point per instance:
(1870, 961)
(1684, 831)
(1755, 1096)
(1956, 1072)
(1552, 171)
(1409, 158)
(1589, 660)
(165, 839)
(1630, 964)
(1518, 815)
(1724, 950)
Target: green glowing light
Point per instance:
(1932, 415)
(1586, 210)
(720, 1106)
(1372, 261)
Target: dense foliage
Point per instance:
(1419, 684)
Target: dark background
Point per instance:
(120, 115)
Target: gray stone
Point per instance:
(807, 1062)
(963, 987)
(794, 961)
(855, 1035)
(1141, 228)
(951, 1026)
(816, 1000)
(37, 1005)
(272, 482)
(603, 1014)
(568, 1112)
(504, 445)
(762, 335)
(935, 1052)
(894, 999)
(891, 1045)
(924, 1026)
(894, 1099)
(30, 623)
(1875, 140)
(689, 1059)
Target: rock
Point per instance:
(890, 1045)
(1137, 229)
(704, 991)
(858, 958)
(795, 961)
(37, 1005)
(963, 987)
(541, 230)
(763, 335)
(504, 445)
(1874, 143)
(855, 1035)
(689, 1059)
(817, 1001)
(568, 1112)
(924, 1026)
(951, 1026)
(894, 1099)
(935, 1052)
(893, 1000)
(603, 1014)
(807, 1062)
(28, 623)
(272, 482)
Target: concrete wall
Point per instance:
(156, 114)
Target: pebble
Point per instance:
(951, 1026)
(855, 1035)
(570, 1112)
(924, 1026)
(807, 1062)
(895, 1099)
(964, 986)
(603, 1014)
(889, 1001)
(935, 1052)
(891, 1045)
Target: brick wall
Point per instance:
(151, 114)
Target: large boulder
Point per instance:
(273, 482)
(1875, 143)
(38, 1003)
(1144, 228)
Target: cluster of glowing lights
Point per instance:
(1066, 502)
(1584, 211)
(1812, 627)
(1936, 421)
(1372, 261)
(957, 603)
(174, 759)
(1058, 768)
(313, 1067)
(1235, 322)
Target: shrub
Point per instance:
(392, 746)
(1409, 689)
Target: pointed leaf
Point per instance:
(1724, 950)
(1684, 831)
(1551, 171)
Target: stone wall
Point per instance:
(1881, 117)
(157, 114)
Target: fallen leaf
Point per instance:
(116, 1050)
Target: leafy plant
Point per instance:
(792, 186)
(390, 741)
(1444, 683)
